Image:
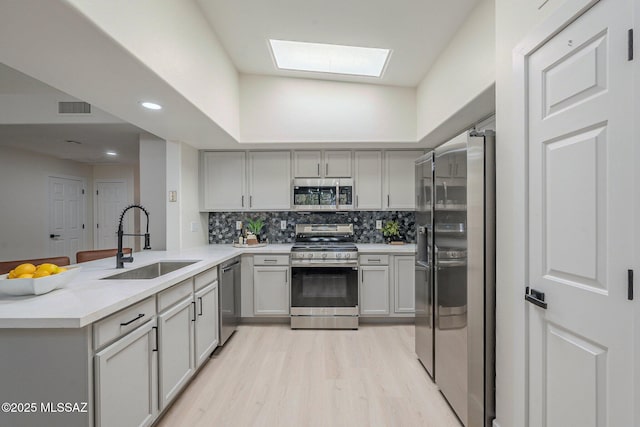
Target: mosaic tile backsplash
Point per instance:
(222, 225)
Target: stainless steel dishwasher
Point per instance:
(229, 298)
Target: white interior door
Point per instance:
(580, 127)
(66, 217)
(111, 199)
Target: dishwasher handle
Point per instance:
(230, 266)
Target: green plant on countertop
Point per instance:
(255, 225)
(391, 230)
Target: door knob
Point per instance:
(535, 297)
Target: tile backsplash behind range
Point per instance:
(222, 225)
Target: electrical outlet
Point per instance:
(173, 196)
(238, 225)
(283, 225)
(378, 224)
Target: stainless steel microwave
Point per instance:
(322, 194)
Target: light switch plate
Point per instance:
(283, 225)
(378, 224)
(238, 225)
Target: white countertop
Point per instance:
(87, 298)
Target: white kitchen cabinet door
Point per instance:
(374, 290)
(271, 291)
(337, 164)
(270, 180)
(368, 180)
(399, 180)
(404, 284)
(176, 349)
(307, 164)
(206, 322)
(223, 176)
(126, 380)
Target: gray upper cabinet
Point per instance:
(307, 164)
(318, 164)
(399, 180)
(337, 164)
(223, 181)
(269, 180)
(368, 180)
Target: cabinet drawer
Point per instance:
(174, 294)
(206, 278)
(123, 322)
(374, 259)
(271, 260)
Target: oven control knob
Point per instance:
(338, 255)
(347, 255)
(310, 255)
(324, 255)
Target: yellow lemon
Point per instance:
(61, 270)
(25, 276)
(24, 269)
(41, 273)
(12, 274)
(50, 268)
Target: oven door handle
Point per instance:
(325, 264)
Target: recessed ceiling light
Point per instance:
(151, 105)
(329, 58)
(111, 153)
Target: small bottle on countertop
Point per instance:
(240, 240)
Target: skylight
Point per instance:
(329, 58)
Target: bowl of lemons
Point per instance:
(29, 279)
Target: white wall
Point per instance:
(513, 21)
(463, 71)
(174, 40)
(173, 166)
(153, 185)
(279, 109)
(24, 196)
(188, 196)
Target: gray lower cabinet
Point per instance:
(176, 348)
(374, 290)
(126, 390)
(404, 284)
(271, 290)
(206, 325)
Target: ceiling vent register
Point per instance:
(74, 107)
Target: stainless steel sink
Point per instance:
(150, 271)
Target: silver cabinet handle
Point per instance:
(318, 169)
(270, 260)
(388, 200)
(326, 169)
(243, 201)
(250, 201)
(374, 260)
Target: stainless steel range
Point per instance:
(324, 277)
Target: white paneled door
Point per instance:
(66, 217)
(111, 199)
(580, 123)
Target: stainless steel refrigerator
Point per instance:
(456, 252)
(424, 319)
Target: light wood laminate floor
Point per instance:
(270, 375)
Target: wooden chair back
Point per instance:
(7, 266)
(85, 256)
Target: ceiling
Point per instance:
(415, 30)
(90, 140)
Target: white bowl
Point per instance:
(38, 286)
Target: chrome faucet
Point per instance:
(120, 258)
